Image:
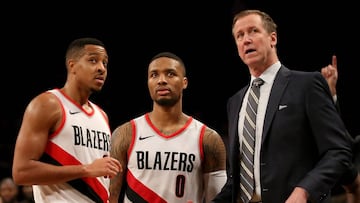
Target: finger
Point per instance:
(334, 61)
(105, 155)
(323, 71)
(117, 164)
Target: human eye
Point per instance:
(152, 75)
(105, 63)
(92, 60)
(254, 31)
(171, 74)
(239, 35)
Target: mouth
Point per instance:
(248, 51)
(100, 80)
(163, 91)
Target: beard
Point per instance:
(167, 102)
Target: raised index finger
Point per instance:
(334, 61)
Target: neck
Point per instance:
(80, 96)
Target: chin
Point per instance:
(98, 89)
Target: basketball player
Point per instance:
(64, 140)
(169, 156)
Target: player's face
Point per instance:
(91, 67)
(166, 81)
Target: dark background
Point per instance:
(35, 36)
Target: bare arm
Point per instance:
(120, 143)
(41, 118)
(214, 150)
(214, 164)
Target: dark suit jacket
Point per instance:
(303, 144)
(350, 175)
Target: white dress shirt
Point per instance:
(268, 76)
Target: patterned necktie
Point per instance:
(247, 182)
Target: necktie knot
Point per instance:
(258, 82)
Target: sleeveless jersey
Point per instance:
(81, 138)
(165, 168)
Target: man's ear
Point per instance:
(185, 81)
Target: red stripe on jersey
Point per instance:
(142, 190)
(65, 158)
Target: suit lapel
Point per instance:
(281, 80)
(235, 103)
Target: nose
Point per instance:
(101, 68)
(247, 38)
(162, 79)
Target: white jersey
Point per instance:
(81, 138)
(165, 168)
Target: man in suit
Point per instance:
(348, 188)
(301, 148)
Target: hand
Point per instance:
(106, 166)
(353, 191)
(330, 73)
(298, 195)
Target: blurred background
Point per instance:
(35, 36)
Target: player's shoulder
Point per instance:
(210, 131)
(123, 129)
(122, 134)
(44, 110)
(44, 100)
(211, 136)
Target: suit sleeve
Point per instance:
(351, 173)
(334, 144)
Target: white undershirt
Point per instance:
(268, 76)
